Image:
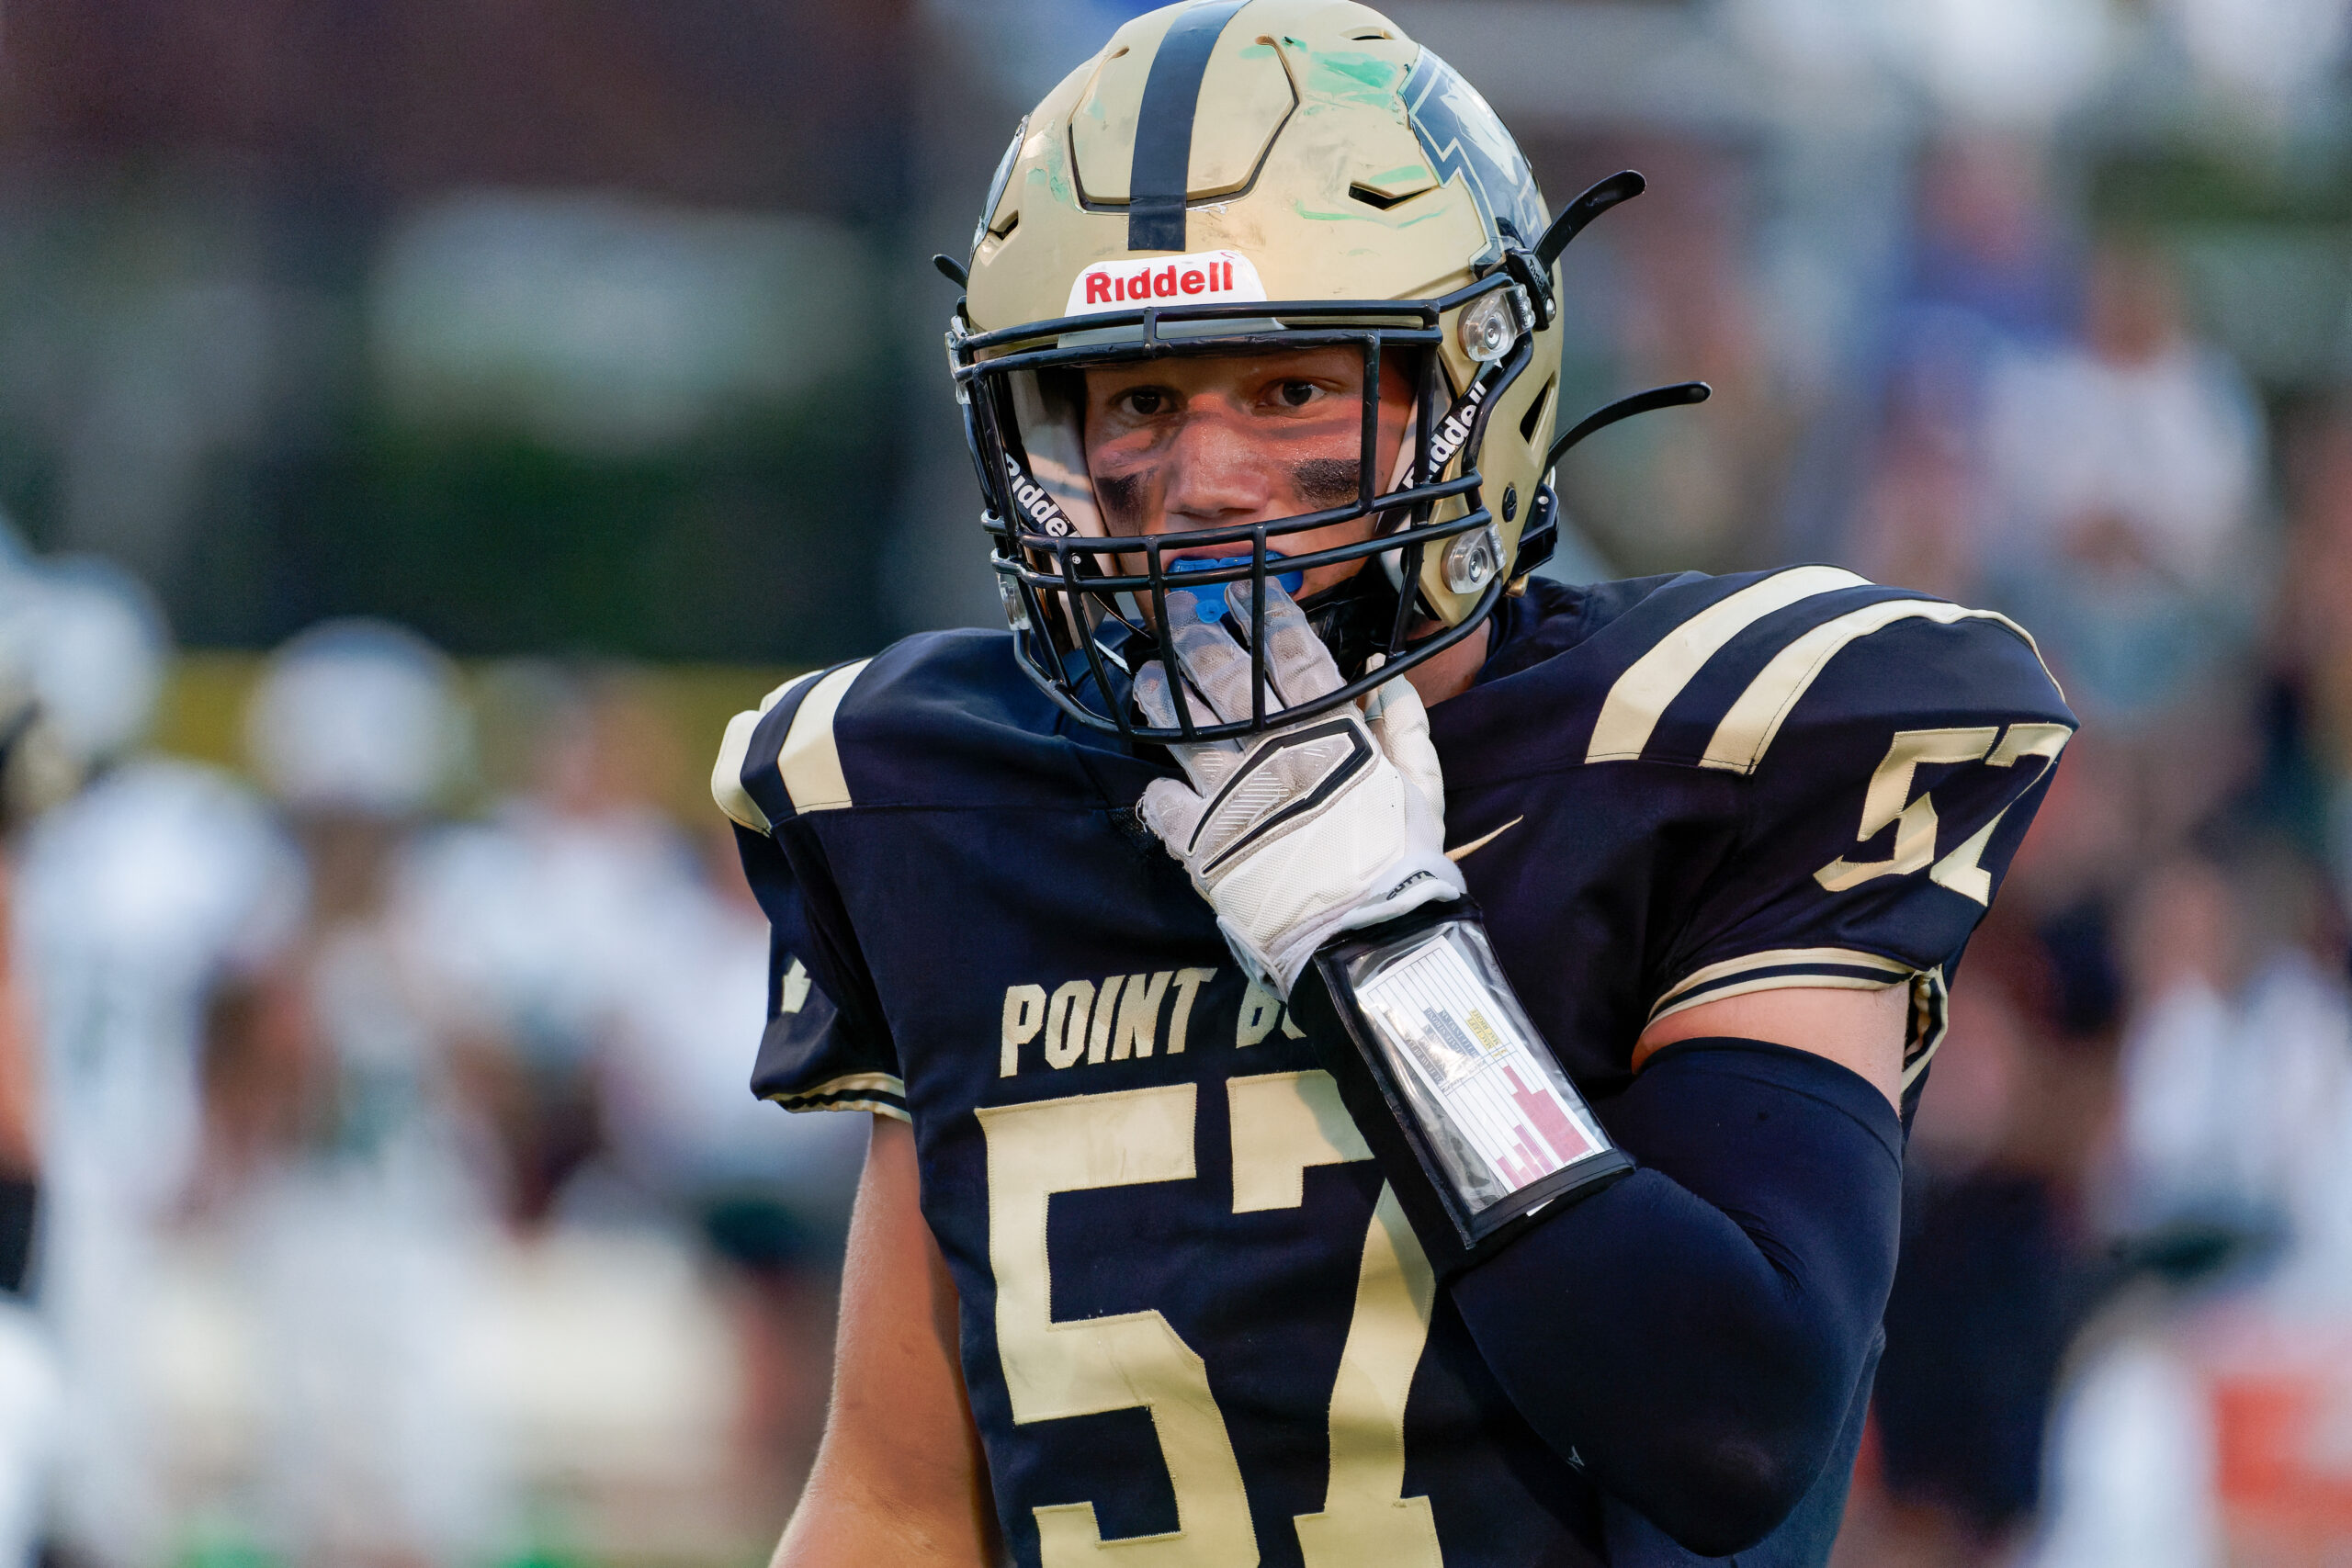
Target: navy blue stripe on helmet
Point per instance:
(1160, 176)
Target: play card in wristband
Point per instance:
(1498, 1113)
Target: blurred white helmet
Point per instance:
(82, 648)
(98, 656)
(358, 715)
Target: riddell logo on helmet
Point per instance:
(1456, 426)
(1207, 277)
(1030, 497)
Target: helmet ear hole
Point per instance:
(1532, 424)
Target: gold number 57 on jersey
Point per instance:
(1282, 1122)
(1888, 800)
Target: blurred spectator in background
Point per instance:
(619, 960)
(2127, 478)
(1988, 282)
(2202, 1422)
(1992, 260)
(529, 918)
(1673, 292)
(359, 1182)
(2237, 1059)
(133, 896)
(454, 1101)
(768, 1196)
(2103, 484)
(1998, 1269)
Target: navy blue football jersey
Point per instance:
(1194, 1322)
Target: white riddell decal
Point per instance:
(1205, 277)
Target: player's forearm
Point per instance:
(1694, 1334)
(899, 1476)
(841, 1521)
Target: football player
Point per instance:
(1375, 1058)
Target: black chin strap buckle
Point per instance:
(1541, 534)
(1536, 278)
(1354, 617)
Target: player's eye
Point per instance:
(1143, 402)
(1296, 394)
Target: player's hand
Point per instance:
(1325, 825)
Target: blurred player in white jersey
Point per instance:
(133, 896)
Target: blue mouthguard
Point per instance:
(1208, 599)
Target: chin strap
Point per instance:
(1353, 618)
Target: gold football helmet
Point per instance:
(1246, 175)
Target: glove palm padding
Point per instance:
(1320, 827)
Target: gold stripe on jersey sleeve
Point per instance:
(879, 1107)
(726, 774)
(1931, 1018)
(1642, 694)
(889, 1083)
(1748, 729)
(1798, 982)
(810, 760)
(1803, 963)
(821, 1096)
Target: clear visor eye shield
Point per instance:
(1082, 616)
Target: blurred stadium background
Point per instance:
(422, 424)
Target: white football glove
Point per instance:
(1324, 825)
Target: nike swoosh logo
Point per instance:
(1484, 840)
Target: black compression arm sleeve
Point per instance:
(1695, 1334)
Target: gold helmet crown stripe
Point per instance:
(1160, 177)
